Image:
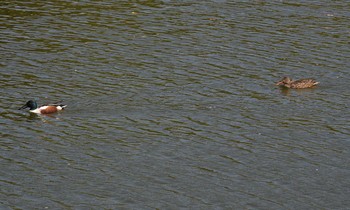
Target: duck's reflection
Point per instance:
(288, 91)
(44, 118)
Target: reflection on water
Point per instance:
(287, 91)
(43, 118)
(173, 105)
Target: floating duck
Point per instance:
(297, 84)
(45, 109)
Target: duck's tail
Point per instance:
(63, 106)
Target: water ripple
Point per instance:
(173, 105)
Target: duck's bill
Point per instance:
(23, 107)
(279, 83)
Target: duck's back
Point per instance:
(303, 83)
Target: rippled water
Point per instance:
(172, 104)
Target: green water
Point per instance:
(172, 104)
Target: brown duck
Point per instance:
(297, 84)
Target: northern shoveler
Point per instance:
(45, 109)
(297, 84)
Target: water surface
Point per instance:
(172, 104)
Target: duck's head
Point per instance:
(30, 104)
(284, 81)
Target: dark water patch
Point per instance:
(173, 104)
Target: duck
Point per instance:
(45, 109)
(297, 84)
